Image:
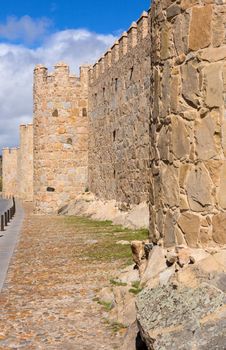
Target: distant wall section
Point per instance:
(119, 110)
(9, 171)
(25, 163)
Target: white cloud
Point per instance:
(75, 47)
(24, 28)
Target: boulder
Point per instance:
(188, 318)
(129, 275)
(124, 311)
(138, 252)
(156, 264)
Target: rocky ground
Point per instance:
(50, 299)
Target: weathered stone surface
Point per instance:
(190, 225)
(106, 295)
(182, 317)
(130, 338)
(169, 185)
(222, 187)
(185, 4)
(220, 257)
(218, 29)
(129, 275)
(224, 133)
(219, 228)
(124, 310)
(213, 54)
(199, 188)
(156, 264)
(205, 138)
(180, 138)
(214, 85)
(200, 27)
(169, 229)
(165, 276)
(190, 83)
(163, 143)
(165, 42)
(138, 252)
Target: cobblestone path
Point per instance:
(47, 301)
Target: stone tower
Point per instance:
(60, 137)
(25, 163)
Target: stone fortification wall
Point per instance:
(188, 139)
(60, 137)
(157, 128)
(25, 163)
(9, 171)
(119, 108)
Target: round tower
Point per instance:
(188, 144)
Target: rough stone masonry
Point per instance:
(147, 125)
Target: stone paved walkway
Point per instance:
(47, 301)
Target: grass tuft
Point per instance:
(115, 326)
(117, 283)
(136, 288)
(108, 306)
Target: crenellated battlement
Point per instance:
(123, 46)
(12, 150)
(61, 75)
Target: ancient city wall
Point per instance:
(119, 112)
(188, 140)
(9, 171)
(156, 128)
(25, 163)
(60, 137)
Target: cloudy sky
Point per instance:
(43, 31)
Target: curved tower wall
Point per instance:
(60, 137)
(188, 125)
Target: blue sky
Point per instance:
(99, 16)
(46, 32)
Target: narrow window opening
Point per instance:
(131, 73)
(55, 113)
(50, 189)
(114, 173)
(114, 135)
(69, 141)
(116, 84)
(84, 112)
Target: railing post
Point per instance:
(2, 222)
(5, 215)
